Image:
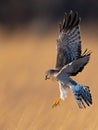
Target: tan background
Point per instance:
(26, 98)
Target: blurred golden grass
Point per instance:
(26, 98)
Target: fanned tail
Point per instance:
(82, 95)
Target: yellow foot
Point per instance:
(57, 102)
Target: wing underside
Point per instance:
(69, 41)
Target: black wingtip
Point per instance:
(86, 53)
(70, 21)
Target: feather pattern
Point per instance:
(69, 41)
(82, 95)
(75, 66)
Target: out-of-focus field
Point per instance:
(26, 98)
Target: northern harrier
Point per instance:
(70, 61)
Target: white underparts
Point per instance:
(63, 91)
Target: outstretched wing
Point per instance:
(76, 66)
(69, 42)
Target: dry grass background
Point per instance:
(26, 98)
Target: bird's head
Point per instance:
(50, 74)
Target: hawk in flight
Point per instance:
(70, 61)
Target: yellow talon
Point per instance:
(57, 102)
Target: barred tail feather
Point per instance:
(82, 95)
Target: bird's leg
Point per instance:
(56, 102)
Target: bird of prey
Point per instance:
(70, 61)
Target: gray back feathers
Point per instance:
(76, 66)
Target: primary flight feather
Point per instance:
(70, 61)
